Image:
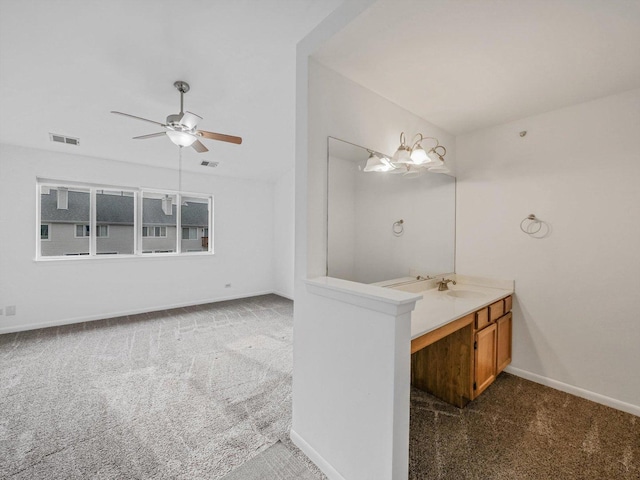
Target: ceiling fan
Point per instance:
(181, 127)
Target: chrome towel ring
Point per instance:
(532, 227)
(535, 228)
(398, 227)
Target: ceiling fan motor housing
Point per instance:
(175, 122)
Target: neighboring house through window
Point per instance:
(96, 220)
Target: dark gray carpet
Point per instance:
(187, 393)
(275, 463)
(521, 430)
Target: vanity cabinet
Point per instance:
(458, 361)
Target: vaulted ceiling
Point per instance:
(65, 65)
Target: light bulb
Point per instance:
(418, 155)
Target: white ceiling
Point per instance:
(469, 64)
(65, 65)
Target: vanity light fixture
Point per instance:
(412, 161)
(377, 163)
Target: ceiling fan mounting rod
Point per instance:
(183, 87)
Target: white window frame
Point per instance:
(137, 194)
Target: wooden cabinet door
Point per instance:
(503, 355)
(485, 358)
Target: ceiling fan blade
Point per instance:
(151, 135)
(219, 136)
(199, 147)
(190, 120)
(139, 118)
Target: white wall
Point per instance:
(54, 292)
(283, 234)
(577, 291)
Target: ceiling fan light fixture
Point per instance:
(181, 139)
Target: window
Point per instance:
(159, 222)
(189, 233)
(115, 222)
(92, 220)
(63, 208)
(194, 213)
(154, 231)
(82, 231)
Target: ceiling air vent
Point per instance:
(63, 139)
(205, 163)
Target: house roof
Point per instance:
(117, 210)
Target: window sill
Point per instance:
(99, 258)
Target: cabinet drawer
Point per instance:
(508, 304)
(496, 310)
(482, 318)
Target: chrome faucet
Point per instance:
(442, 285)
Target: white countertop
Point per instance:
(436, 309)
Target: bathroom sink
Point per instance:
(464, 294)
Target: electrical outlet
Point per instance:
(227, 285)
(11, 310)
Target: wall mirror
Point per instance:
(383, 225)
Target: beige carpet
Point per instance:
(183, 394)
(521, 430)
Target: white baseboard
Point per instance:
(577, 391)
(283, 295)
(102, 316)
(314, 456)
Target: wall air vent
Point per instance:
(54, 137)
(205, 163)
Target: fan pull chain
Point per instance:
(179, 169)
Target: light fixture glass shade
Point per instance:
(435, 160)
(375, 164)
(181, 139)
(418, 155)
(402, 155)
